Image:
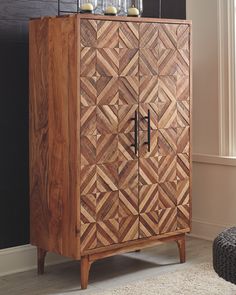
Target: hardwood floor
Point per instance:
(107, 273)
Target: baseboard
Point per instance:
(206, 230)
(23, 258)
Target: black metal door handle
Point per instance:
(148, 118)
(135, 145)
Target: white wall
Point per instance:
(203, 13)
(214, 199)
(214, 186)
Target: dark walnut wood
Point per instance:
(92, 194)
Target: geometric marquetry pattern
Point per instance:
(88, 120)
(167, 195)
(88, 180)
(183, 62)
(148, 224)
(183, 140)
(143, 111)
(126, 115)
(107, 91)
(129, 35)
(172, 61)
(129, 62)
(107, 206)
(88, 150)
(149, 89)
(167, 141)
(107, 232)
(166, 89)
(167, 220)
(127, 67)
(107, 34)
(88, 33)
(88, 91)
(128, 90)
(148, 198)
(128, 202)
(88, 62)
(182, 88)
(183, 166)
(167, 115)
(108, 62)
(183, 192)
(107, 148)
(107, 119)
(126, 150)
(167, 63)
(148, 35)
(88, 236)
(167, 168)
(168, 36)
(148, 61)
(107, 177)
(88, 208)
(128, 228)
(128, 174)
(143, 147)
(183, 108)
(183, 216)
(148, 171)
(183, 32)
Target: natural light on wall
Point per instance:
(227, 76)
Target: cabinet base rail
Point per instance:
(87, 259)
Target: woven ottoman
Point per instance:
(224, 255)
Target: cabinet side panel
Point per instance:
(62, 92)
(60, 173)
(38, 145)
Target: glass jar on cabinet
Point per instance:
(111, 7)
(123, 8)
(87, 6)
(134, 7)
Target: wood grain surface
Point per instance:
(136, 66)
(97, 193)
(53, 136)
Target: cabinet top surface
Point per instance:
(119, 18)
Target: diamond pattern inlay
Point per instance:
(128, 67)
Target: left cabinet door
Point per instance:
(109, 88)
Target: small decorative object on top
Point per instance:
(87, 6)
(111, 7)
(134, 7)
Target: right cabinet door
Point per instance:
(164, 133)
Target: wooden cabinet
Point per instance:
(110, 135)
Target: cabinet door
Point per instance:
(164, 129)
(109, 85)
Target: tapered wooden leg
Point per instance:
(85, 265)
(41, 260)
(181, 246)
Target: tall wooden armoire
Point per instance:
(110, 135)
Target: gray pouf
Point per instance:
(224, 255)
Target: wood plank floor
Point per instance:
(107, 273)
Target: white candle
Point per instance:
(87, 7)
(133, 11)
(111, 10)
